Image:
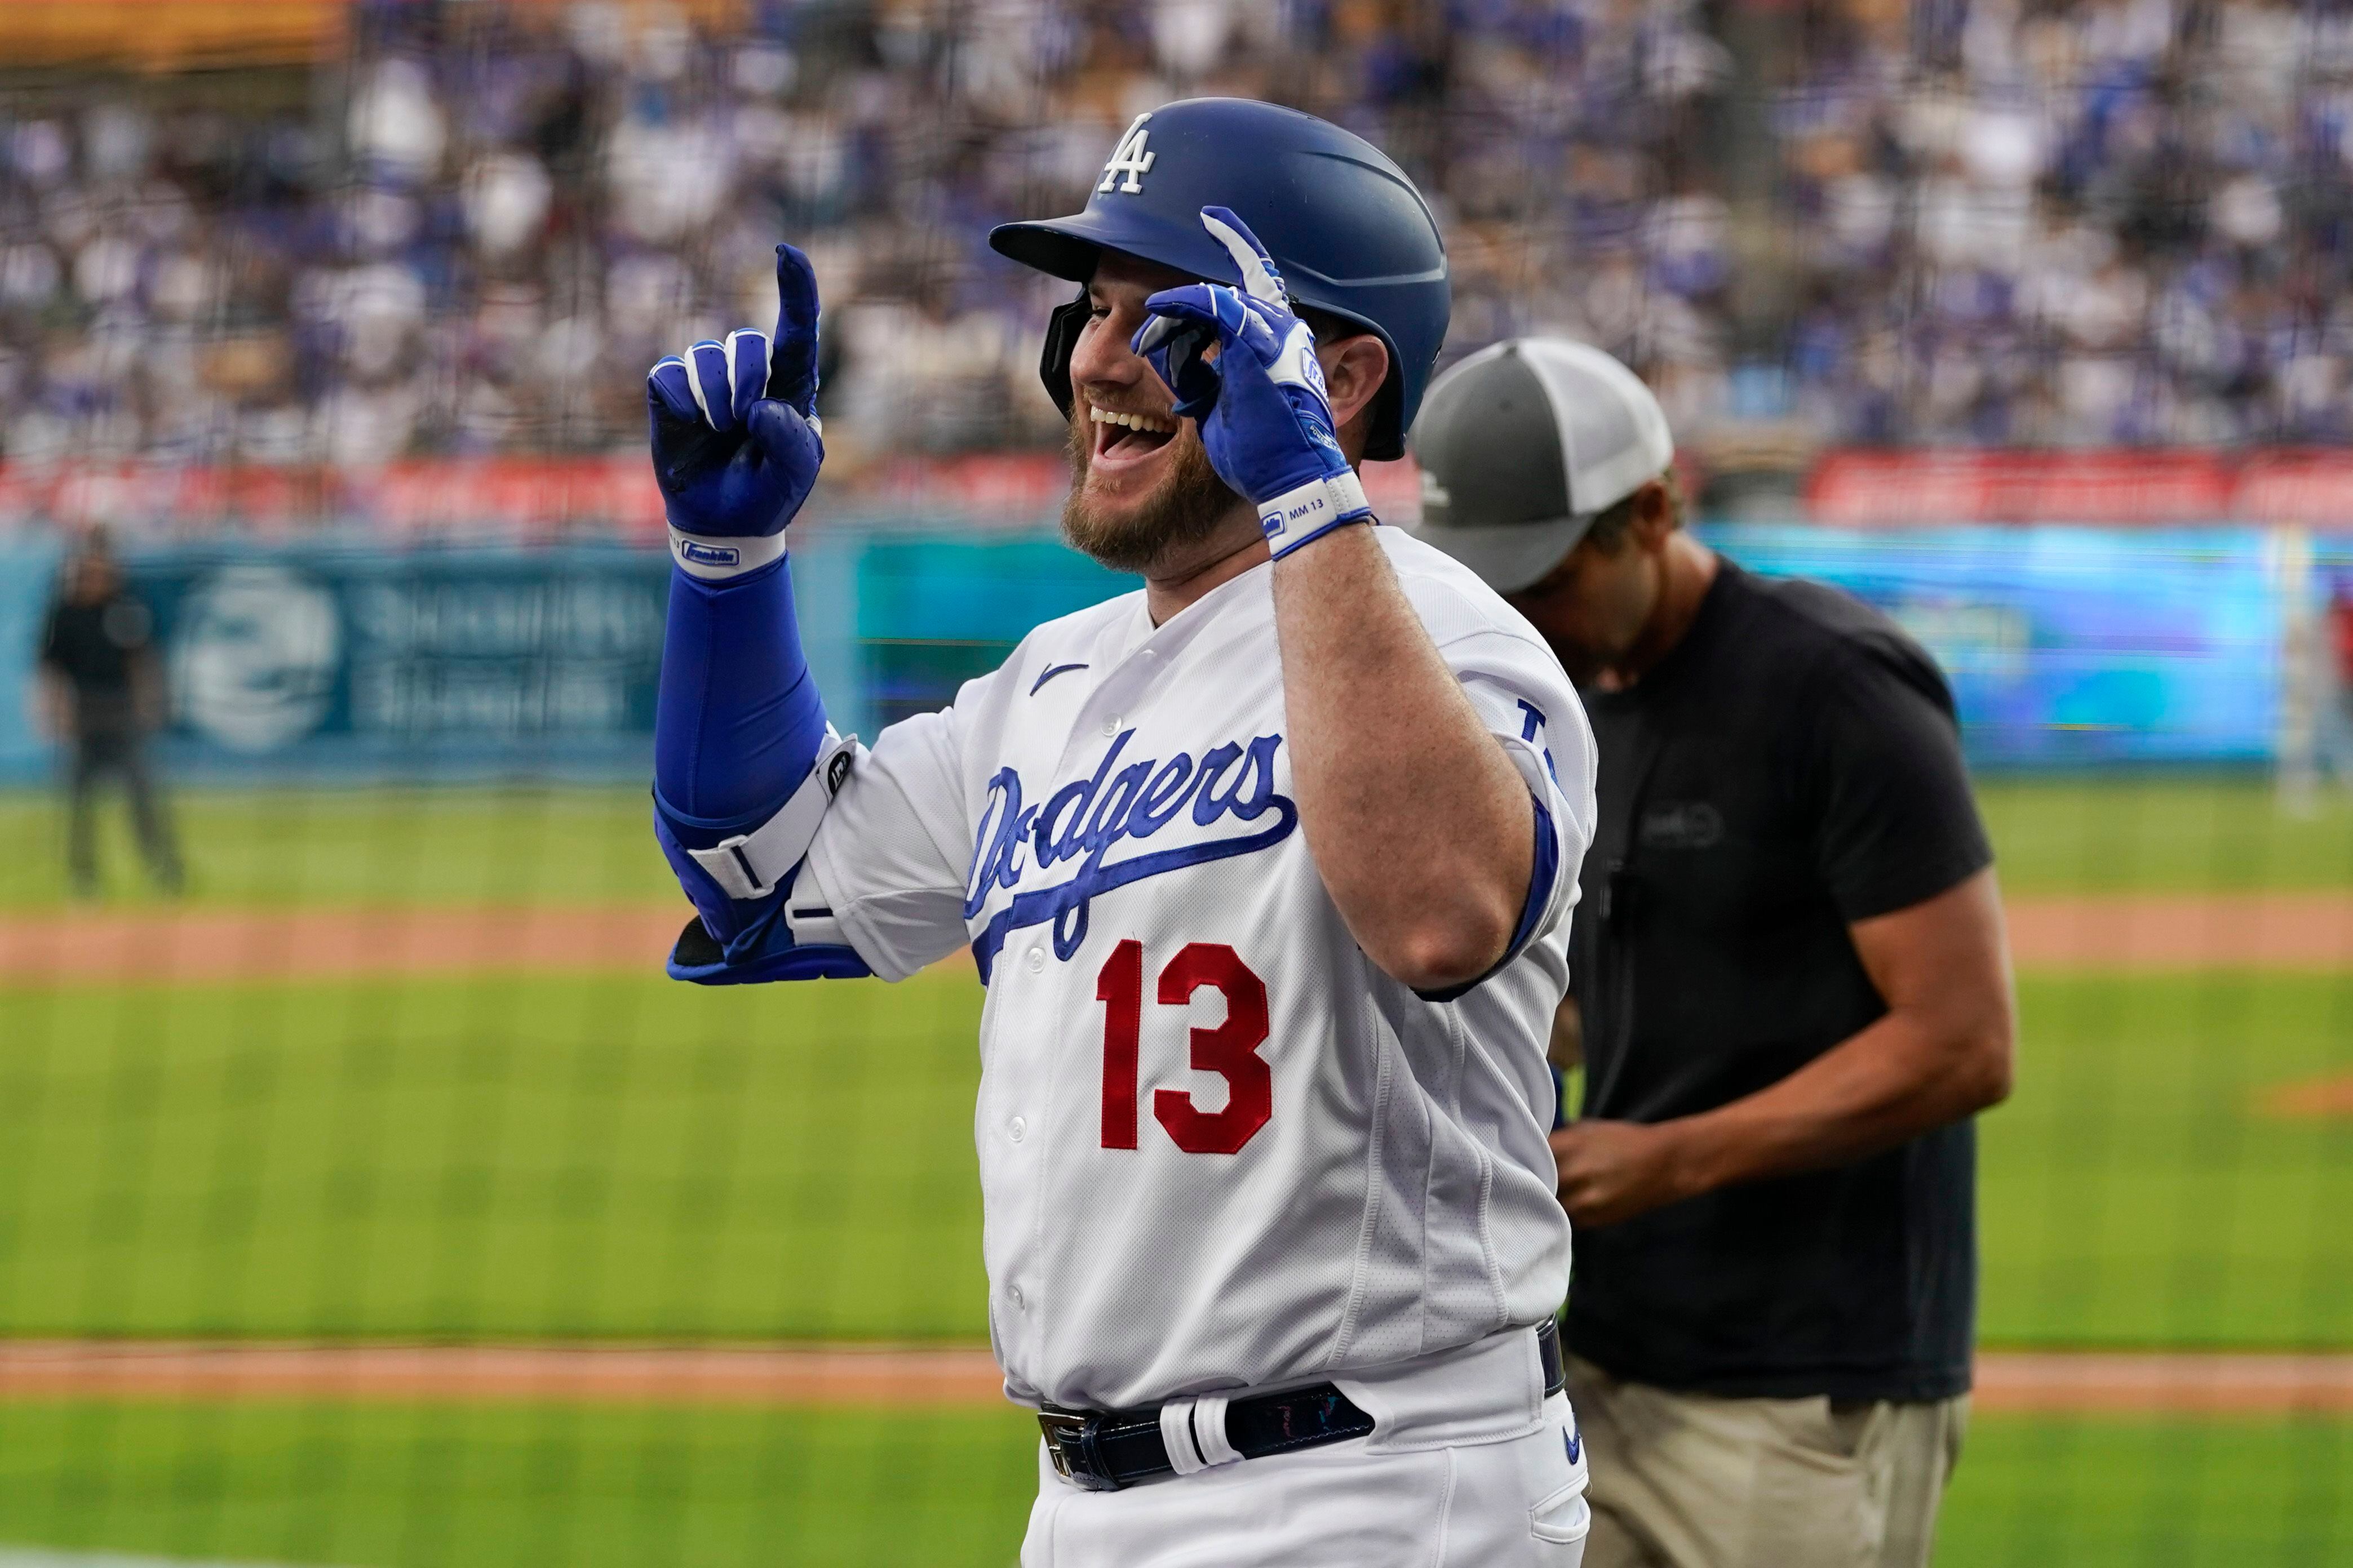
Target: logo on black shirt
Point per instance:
(1683, 824)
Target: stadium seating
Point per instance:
(2120, 223)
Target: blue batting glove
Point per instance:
(1264, 413)
(737, 437)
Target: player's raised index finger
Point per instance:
(1261, 279)
(792, 356)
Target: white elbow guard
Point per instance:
(754, 865)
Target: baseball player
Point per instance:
(1265, 867)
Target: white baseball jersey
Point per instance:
(1218, 1147)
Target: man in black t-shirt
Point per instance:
(101, 690)
(1789, 992)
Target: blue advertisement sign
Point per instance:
(468, 661)
(28, 574)
(935, 613)
(2071, 646)
(2064, 647)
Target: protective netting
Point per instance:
(377, 1201)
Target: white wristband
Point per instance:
(1315, 509)
(712, 557)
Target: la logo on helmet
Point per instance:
(1131, 158)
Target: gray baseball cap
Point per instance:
(1523, 445)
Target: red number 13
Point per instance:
(1230, 1050)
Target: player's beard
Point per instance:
(1184, 511)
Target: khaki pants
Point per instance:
(1694, 1480)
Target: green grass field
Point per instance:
(520, 1486)
(284, 847)
(623, 1156)
(2148, 834)
(437, 1487)
(522, 1157)
(503, 1156)
(288, 847)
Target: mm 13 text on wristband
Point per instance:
(1313, 510)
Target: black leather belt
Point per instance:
(1105, 1450)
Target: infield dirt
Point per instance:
(841, 1375)
(2133, 933)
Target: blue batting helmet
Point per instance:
(1351, 234)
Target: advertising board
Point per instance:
(2066, 646)
(2072, 646)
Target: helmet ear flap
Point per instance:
(1062, 330)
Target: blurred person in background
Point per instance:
(1790, 991)
(101, 690)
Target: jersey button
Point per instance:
(1111, 726)
(1013, 1294)
(1037, 961)
(1017, 1128)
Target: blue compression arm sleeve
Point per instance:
(738, 723)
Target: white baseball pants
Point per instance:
(1468, 1466)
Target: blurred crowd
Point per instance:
(2045, 221)
(2124, 222)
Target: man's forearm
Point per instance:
(1884, 1085)
(1422, 828)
